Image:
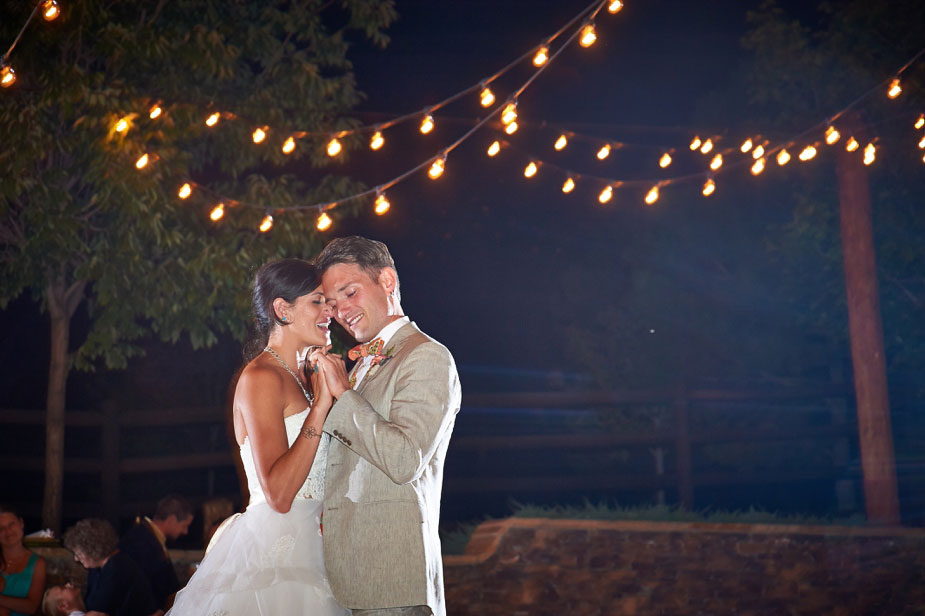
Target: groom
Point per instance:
(391, 425)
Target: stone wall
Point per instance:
(538, 567)
(543, 567)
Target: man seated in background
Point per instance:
(63, 601)
(146, 543)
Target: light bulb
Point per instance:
(334, 147)
(376, 141)
(852, 145)
(259, 135)
(217, 212)
(561, 142)
(709, 187)
(606, 194)
(155, 112)
(696, 143)
(185, 191)
(324, 222)
(509, 114)
(652, 195)
(758, 152)
(807, 153)
(922, 144)
(530, 170)
(717, 162)
(783, 157)
(604, 152)
(665, 160)
(920, 122)
(758, 167)
(870, 153)
(7, 76)
(511, 128)
(588, 36)
(427, 124)
(382, 205)
(494, 148)
(707, 147)
(50, 10)
(122, 125)
(895, 89)
(288, 145)
(436, 169)
(542, 54)
(614, 7)
(568, 186)
(746, 146)
(142, 161)
(487, 97)
(266, 224)
(212, 120)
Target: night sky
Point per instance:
(497, 267)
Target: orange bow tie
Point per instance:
(364, 350)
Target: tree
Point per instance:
(82, 228)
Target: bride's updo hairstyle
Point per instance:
(289, 279)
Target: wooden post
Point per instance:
(110, 454)
(866, 333)
(683, 450)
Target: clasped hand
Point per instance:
(329, 371)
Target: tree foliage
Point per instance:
(75, 210)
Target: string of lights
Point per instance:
(755, 151)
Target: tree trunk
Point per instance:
(62, 301)
(866, 333)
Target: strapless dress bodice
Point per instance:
(312, 488)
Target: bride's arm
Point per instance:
(281, 469)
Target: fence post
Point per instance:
(683, 449)
(110, 460)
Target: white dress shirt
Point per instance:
(364, 364)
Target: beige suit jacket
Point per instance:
(384, 477)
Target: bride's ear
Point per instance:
(281, 309)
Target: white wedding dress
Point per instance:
(264, 562)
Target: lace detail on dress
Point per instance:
(277, 555)
(313, 488)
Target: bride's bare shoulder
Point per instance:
(258, 381)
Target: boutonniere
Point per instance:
(379, 359)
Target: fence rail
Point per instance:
(679, 437)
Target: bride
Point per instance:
(268, 560)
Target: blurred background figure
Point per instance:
(116, 585)
(63, 601)
(23, 579)
(146, 544)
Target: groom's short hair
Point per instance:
(369, 254)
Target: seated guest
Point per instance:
(116, 586)
(146, 543)
(23, 571)
(63, 601)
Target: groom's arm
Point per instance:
(427, 398)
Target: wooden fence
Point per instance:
(475, 462)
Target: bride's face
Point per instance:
(309, 318)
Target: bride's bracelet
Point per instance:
(310, 432)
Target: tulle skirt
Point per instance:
(264, 563)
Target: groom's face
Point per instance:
(361, 305)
